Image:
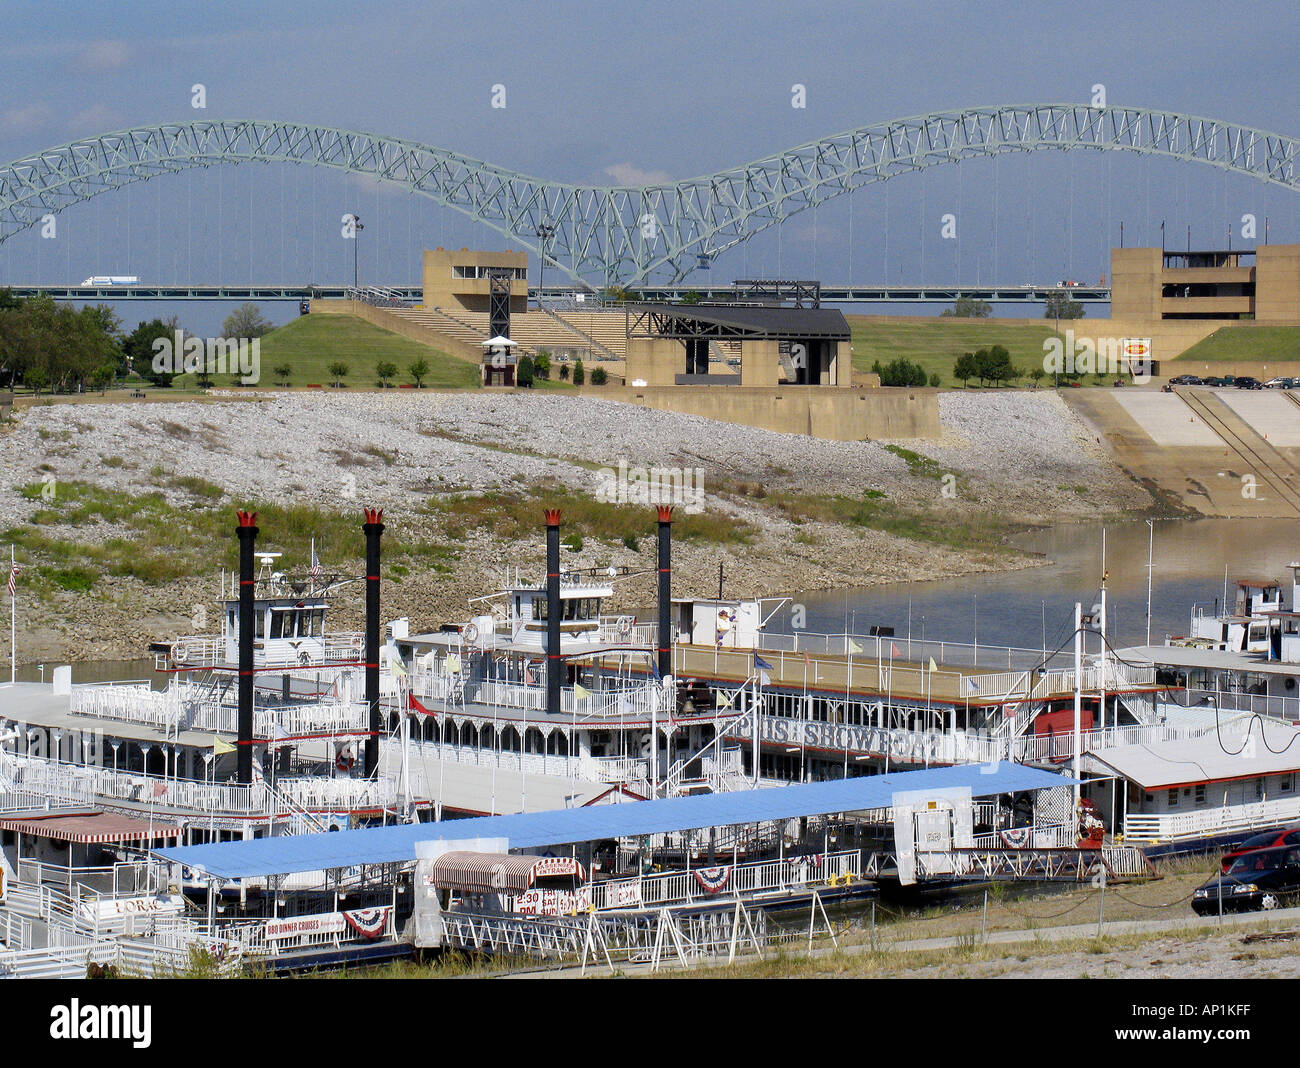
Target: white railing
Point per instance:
(1176, 826)
(1287, 708)
(81, 784)
(210, 650)
(915, 650)
(728, 880)
(1042, 748)
(187, 707)
(603, 703)
(1060, 836)
(1032, 684)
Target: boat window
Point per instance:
(318, 617)
(259, 616)
(1173, 798)
(539, 608)
(1200, 793)
(277, 624)
(230, 621)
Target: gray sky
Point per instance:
(604, 93)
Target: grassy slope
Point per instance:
(1270, 344)
(936, 343)
(311, 343)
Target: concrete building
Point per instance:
(1151, 285)
(461, 281)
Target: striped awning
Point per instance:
(498, 873)
(88, 827)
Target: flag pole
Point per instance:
(13, 618)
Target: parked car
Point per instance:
(1263, 879)
(1285, 836)
(1246, 382)
(1278, 383)
(1186, 380)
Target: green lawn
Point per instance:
(310, 343)
(936, 343)
(1267, 344)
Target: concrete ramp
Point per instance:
(1269, 413)
(1167, 420)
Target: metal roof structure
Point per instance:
(742, 322)
(1201, 760)
(285, 855)
(493, 873)
(1187, 656)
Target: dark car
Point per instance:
(1246, 382)
(1284, 836)
(1185, 380)
(1264, 879)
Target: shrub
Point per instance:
(579, 373)
(599, 377)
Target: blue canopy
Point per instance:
(395, 844)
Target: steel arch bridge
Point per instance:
(628, 233)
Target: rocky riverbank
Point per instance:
(786, 512)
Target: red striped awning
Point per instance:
(88, 827)
(498, 873)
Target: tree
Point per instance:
(384, 370)
(1060, 306)
(965, 368)
(338, 370)
(968, 308)
(1037, 374)
(579, 373)
(564, 372)
(102, 376)
(524, 372)
(542, 365)
(419, 370)
(138, 348)
(900, 372)
(282, 371)
(599, 377)
(245, 321)
(691, 296)
(935, 380)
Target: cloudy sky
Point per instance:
(608, 93)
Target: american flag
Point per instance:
(13, 580)
(316, 570)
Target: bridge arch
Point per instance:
(626, 233)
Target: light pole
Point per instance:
(545, 232)
(356, 228)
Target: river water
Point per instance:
(1032, 608)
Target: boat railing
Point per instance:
(1110, 675)
(1040, 748)
(916, 650)
(607, 702)
(80, 784)
(1261, 704)
(424, 781)
(210, 650)
(188, 707)
(1151, 828)
(1053, 836)
(619, 631)
(704, 884)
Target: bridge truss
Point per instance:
(627, 234)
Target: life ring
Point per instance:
(471, 633)
(345, 760)
(625, 625)
(179, 652)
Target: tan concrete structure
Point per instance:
(834, 413)
(1151, 285)
(459, 281)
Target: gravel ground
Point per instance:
(1023, 454)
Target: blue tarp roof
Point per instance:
(385, 845)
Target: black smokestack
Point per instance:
(553, 611)
(373, 528)
(665, 589)
(247, 534)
